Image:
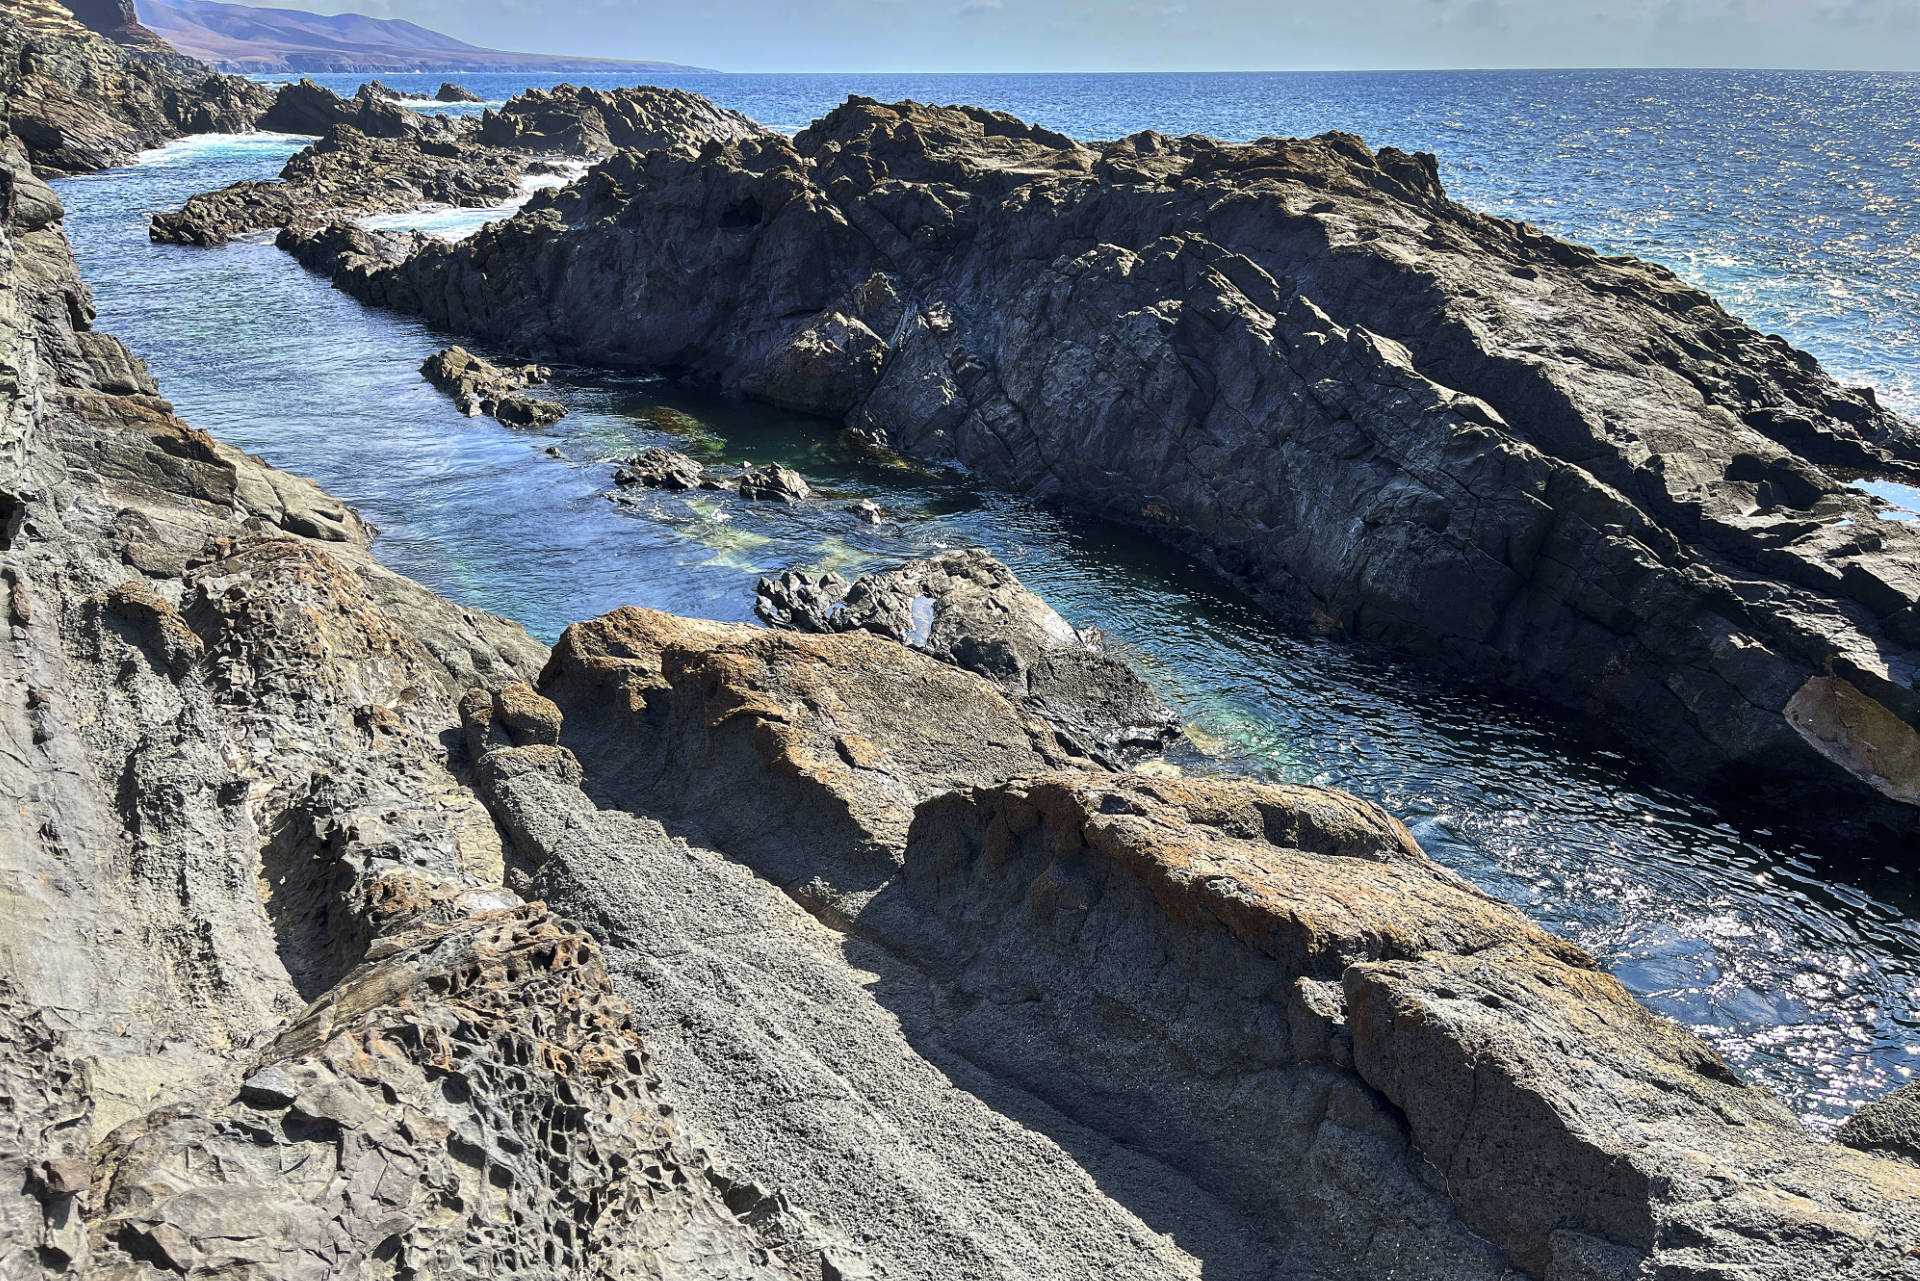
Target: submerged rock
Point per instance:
(968, 609)
(1392, 416)
(478, 387)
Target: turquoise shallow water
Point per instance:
(1800, 968)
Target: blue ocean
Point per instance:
(1793, 197)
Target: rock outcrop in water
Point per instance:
(345, 931)
(376, 156)
(479, 386)
(670, 470)
(1405, 421)
(88, 88)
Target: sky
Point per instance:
(1183, 35)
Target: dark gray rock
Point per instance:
(1890, 1126)
(451, 92)
(479, 386)
(376, 156)
(660, 469)
(93, 93)
(351, 172)
(773, 483)
(379, 89)
(968, 609)
(668, 469)
(1397, 419)
(592, 122)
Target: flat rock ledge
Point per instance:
(1394, 418)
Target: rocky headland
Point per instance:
(1393, 417)
(347, 931)
(83, 95)
(376, 156)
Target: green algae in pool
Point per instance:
(1799, 971)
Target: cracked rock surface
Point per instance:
(968, 609)
(348, 932)
(1393, 417)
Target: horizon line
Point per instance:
(1172, 71)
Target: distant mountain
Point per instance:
(236, 37)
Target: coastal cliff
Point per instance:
(88, 94)
(1391, 416)
(347, 931)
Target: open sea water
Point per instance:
(1792, 197)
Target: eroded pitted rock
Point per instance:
(968, 609)
(473, 1100)
(1390, 415)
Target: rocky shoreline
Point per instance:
(1507, 455)
(348, 931)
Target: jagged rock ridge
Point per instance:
(1400, 419)
(330, 945)
(376, 156)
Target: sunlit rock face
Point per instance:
(1394, 417)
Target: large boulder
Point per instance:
(781, 747)
(968, 609)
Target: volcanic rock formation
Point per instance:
(1395, 417)
(479, 386)
(346, 931)
(77, 101)
(376, 156)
